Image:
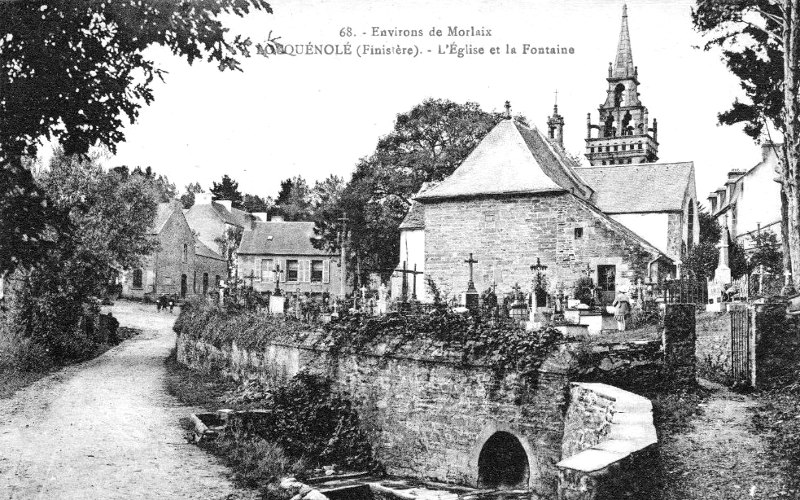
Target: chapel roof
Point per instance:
(511, 159)
(280, 238)
(639, 187)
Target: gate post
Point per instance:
(679, 343)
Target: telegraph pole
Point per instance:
(342, 238)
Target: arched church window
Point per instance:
(627, 129)
(690, 225)
(608, 130)
(618, 90)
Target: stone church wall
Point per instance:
(506, 235)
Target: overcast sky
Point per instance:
(317, 115)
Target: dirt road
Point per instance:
(106, 428)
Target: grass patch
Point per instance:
(12, 380)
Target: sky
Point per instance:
(316, 115)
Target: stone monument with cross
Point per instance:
(471, 296)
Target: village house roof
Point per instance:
(639, 187)
(415, 218)
(511, 159)
(280, 238)
(201, 250)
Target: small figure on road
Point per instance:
(171, 304)
(623, 307)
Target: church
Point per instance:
(521, 205)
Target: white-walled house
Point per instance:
(412, 253)
(750, 199)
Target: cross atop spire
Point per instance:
(623, 63)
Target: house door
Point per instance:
(184, 286)
(606, 283)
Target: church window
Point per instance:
(690, 225)
(608, 130)
(185, 252)
(627, 129)
(591, 150)
(578, 232)
(623, 147)
(137, 278)
(618, 90)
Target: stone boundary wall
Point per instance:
(428, 412)
(610, 444)
(714, 346)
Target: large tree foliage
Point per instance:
(426, 144)
(760, 42)
(76, 72)
(109, 216)
(294, 200)
(227, 189)
(191, 189)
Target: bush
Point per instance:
(310, 421)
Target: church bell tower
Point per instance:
(623, 134)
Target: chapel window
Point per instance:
(137, 278)
(578, 233)
(618, 90)
(185, 252)
(690, 225)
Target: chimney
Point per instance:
(712, 200)
(277, 218)
(225, 203)
(202, 198)
(261, 216)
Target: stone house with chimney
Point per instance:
(284, 250)
(750, 200)
(182, 265)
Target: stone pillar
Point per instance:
(679, 343)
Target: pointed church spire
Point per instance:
(623, 64)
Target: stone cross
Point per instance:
(277, 272)
(471, 261)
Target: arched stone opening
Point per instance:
(503, 462)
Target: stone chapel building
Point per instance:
(519, 197)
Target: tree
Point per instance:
(255, 203)
(426, 144)
(760, 41)
(326, 209)
(227, 189)
(228, 243)
(75, 71)
(294, 200)
(187, 198)
(766, 253)
(701, 260)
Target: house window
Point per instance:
(137, 278)
(578, 232)
(266, 270)
(316, 271)
(616, 148)
(623, 147)
(168, 280)
(292, 267)
(639, 146)
(185, 252)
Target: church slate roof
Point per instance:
(511, 159)
(415, 218)
(280, 238)
(201, 250)
(639, 187)
(163, 213)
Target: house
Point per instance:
(181, 264)
(211, 220)
(285, 249)
(517, 201)
(750, 200)
(412, 254)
